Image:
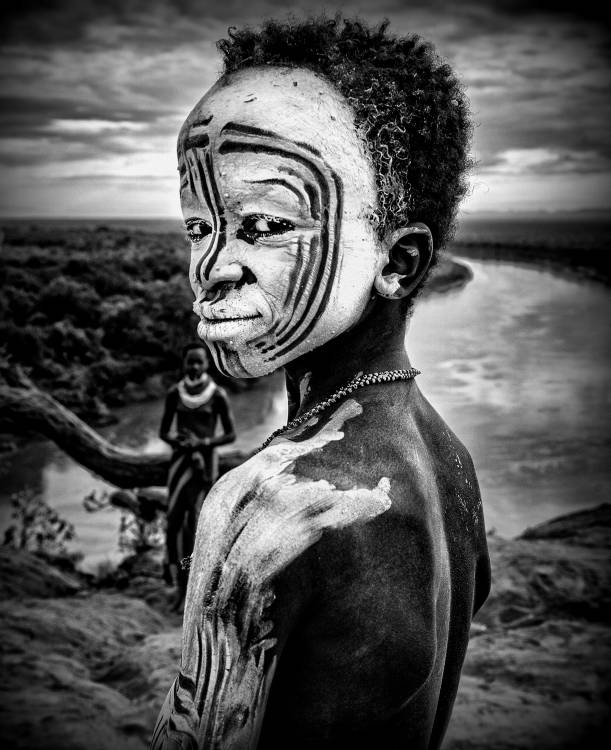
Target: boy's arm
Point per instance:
(251, 577)
(219, 698)
(231, 645)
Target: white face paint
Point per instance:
(276, 191)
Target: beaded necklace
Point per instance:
(358, 381)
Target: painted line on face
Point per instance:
(183, 172)
(300, 286)
(204, 187)
(218, 209)
(331, 193)
(196, 140)
(264, 343)
(196, 165)
(301, 197)
(237, 128)
(202, 191)
(296, 281)
(191, 141)
(326, 190)
(334, 258)
(295, 284)
(317, 265)
(309, 188)
(220, 360)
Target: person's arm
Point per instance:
(252, 578)
(229, 659)
(237, 621)
(226, 417)
(169, 412)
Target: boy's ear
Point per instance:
(409, 252)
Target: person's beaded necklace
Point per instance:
(358, 381)
(195, 400)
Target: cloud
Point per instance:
(92, 127)
(66, 20)
(541, 88)
(533, 192)
(98, 24)
(60, 97)
(545, 161)
(104, 86)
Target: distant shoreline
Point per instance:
(587, 266)
(572, 245)
(599, 213)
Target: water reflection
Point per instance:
(518, 364)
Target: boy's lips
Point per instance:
(213, 311)
(233, 316)
(226, 327)
(220, 320)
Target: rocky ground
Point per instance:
(538, 669)
(86, 667)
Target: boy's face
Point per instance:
(195, 363)
(277, 194)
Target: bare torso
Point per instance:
(332, 586)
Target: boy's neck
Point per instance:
(375, 344)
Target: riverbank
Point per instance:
(86, 668)
(570, 263)
(575, 246)
(448, 275)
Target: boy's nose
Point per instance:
(222, 273)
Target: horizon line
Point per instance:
(461, 215)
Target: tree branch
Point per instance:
(24, 408)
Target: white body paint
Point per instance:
(301, 113)
(241, 548)
(304, 386)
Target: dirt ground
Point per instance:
(87, 669)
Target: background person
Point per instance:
(195, 404)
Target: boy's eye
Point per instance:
(197, 230)
(261, 225)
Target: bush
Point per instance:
(38, 528)
(90, 310)
(69, 344)
(19, 304)
(23, 345)
(67, 298)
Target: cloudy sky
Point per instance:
(94, 94)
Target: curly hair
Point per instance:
(408, 106)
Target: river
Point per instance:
(517, 362)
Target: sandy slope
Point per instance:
(86, 669)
